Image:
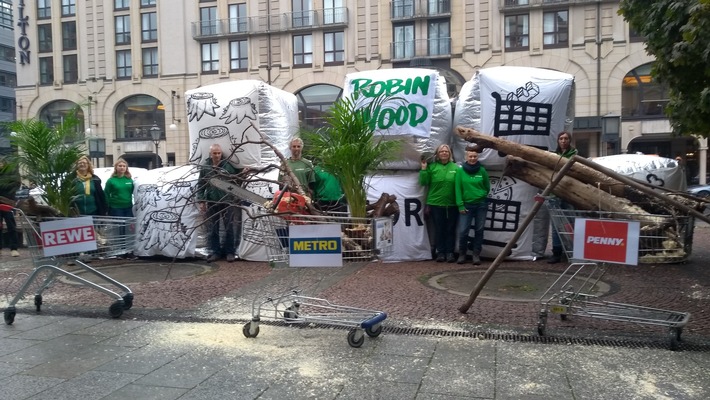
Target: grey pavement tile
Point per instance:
(88, 358)
(405, 345)
(300, 390)
(530, 370)
(132, 391)
(394, 368)
(375, 390)
(27, 322)
(435, 396)
(187, 371)
(59, 328)
(112, 327)
(142, 335)
(53, 349)
(89, 386)
(9, 369)
(8, 346)
(143, 360)
(20, 387)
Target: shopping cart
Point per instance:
(576, 291)
(56, 243)
(362, 240)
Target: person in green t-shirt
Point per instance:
(119, 190)
(301, 168)
(328, 193)
(439, 176)
(472, 187)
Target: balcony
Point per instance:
(432, 48)
(287, 22)
(404, 10)
(517, 5)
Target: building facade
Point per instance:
(127, 63)
(8, 78)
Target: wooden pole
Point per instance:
(504, 253)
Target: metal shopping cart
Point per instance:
(661, 239)
(361, 240)
(55, 243)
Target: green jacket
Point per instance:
(119, 192)
(207, 192)
(327, 186)
(471, 188)
(440, 179)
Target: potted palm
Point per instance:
(46, 157)
(348, 147)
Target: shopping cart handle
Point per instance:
(376, 319)
(6, 207)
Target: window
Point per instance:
(641, 96)
(124, 67)
(210, 57)
(6, 15)
(147, 3)
(302, 14)
(438, 7)
(136, 115)
(7, 53)
(121, 4)
(69, 35)
(238, 17)
(555, 29)
(7, 104)
(71, 69)
(44, 38)
(44, 9)
(150, 61)
(402, 8)
(238, 56)
(149, 27)
(334, 47)
(46, 71)
(8, 79)
(314, 101)
(333, 12)
(54, 113)
(403, 46)
(439, 38)
(302, 50)
(516, 2)
(123, 29)
(68, 8)
(516, 32)
(208, 21)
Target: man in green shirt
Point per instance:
(301, 168)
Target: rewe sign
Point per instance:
(606, 241)
(66, 236)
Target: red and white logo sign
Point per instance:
(606, 241)
(66, 236)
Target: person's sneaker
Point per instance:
(212, 258)
(475, 259)
(230, 257)
(450, 258)
(441, 257)
(15, 253)
(462, 259)
(554, 259)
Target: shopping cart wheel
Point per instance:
(38, 302)
(541, 324)
(116, 309)
(250, 329)
(9, 316)
(291, 313)
(355, 338)
(373, 331)
(127, 301)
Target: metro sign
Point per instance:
(66, 236)
(606, 241)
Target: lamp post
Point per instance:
(611, 124)
(155, 134)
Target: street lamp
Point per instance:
(611, 124)
(155, 134)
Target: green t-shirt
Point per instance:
(119, 192)
(303, 169)
(441, 179)
(327, 186)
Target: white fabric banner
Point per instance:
(658, 171)
(167, 217)
(410, 241)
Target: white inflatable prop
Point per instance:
(658, 171)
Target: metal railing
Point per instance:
(410, 9)
(408, 49)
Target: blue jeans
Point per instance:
(121, 212)
(475, 213)
(217, 212)
(444, 218)
(9, 218)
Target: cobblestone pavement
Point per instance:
(226, 291)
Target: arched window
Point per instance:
(54, 113)
(314, 101)
(136, 115)
(641, 96)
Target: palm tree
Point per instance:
(46, 157)
(348, 147)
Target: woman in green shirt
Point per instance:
(439, 176)
(119, 190)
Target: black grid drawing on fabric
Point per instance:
(515, 117)
(503, 215)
